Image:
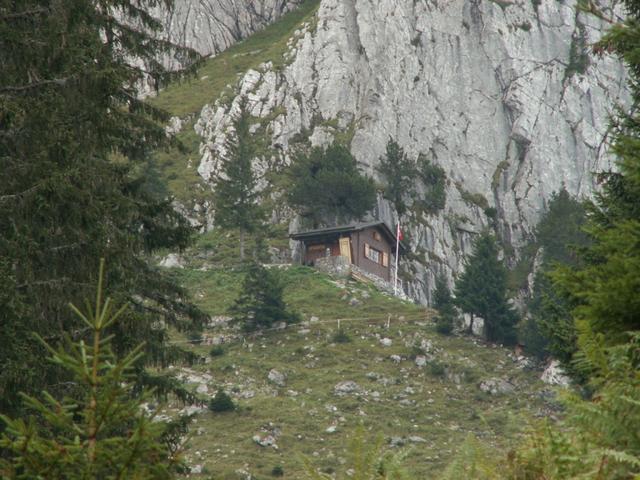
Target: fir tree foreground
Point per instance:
(75, 140)
(105, 432)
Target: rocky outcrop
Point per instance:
(501, 94)
(210, 26)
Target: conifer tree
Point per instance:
(603, 288)
(261, 304)
(481, 291)
(399, 175)
(74, 137)
(235, 195)
(103, 431)
(326, 185)
(559, 235)
(443, 302)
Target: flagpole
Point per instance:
(395, 282)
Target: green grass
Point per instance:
(446, 404)
(266, 45)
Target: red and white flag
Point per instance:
(399, 235)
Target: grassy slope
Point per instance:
(178, 169)
(270, 44)
(443, 409)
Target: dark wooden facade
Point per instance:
(371, 246)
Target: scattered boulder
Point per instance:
(386, 342)
(354, 302)
(396, 358)
(397, 442)
(346, 387)
(421, 361)
(554, 374)
(266, 441)
(173, 260)
(277, 377)
(497, 386)
(202, 389)
(416, 439)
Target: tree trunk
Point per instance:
(471, 325)
(242, 245)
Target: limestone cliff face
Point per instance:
(210, 26)
(498, 93)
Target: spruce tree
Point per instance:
(235, 194)
(443, 302)
(327, 186)
(559, 236)
(104, 431)
(481, 291)
(74, 138)
(261, 304)
(603, 288)
(399, 175)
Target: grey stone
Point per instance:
(277, 377)
(346, 387)
(554, 374)
(266, 441)
(497, 386)
(173, 260)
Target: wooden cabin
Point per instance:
(370, 246)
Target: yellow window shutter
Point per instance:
(366, 250)
(385, 259)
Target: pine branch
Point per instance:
(25, 13)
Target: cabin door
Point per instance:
(345, 248)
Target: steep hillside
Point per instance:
(503, 95)
(304, 390)
(177, 168)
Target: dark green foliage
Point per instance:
(327, 186)
(598, 438)
(221, 402)
(341, 337)
(436, 369)
(235, 196)
(398, 173)
(442, 301)
(482, 291)
(216, 351)
(104, 431)
(578, 52)
(277, 471)
(195, 337)
(433, 178)
(559, 234)
(74, 140)
(260, 304)
(560, 230)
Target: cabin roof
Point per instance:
(348, 228)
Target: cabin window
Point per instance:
(376, 236)
(376, 255)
